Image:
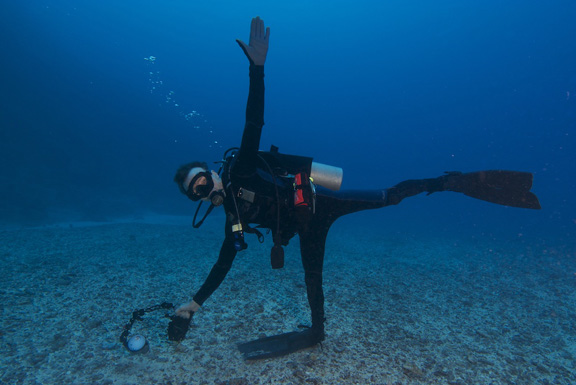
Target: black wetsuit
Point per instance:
(249, 172)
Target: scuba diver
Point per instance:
(292, 195)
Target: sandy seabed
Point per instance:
(401, 310)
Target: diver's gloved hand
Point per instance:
(187, 310)
(180, 321)
(257, 49)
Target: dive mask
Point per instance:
(207, 190)
(202, 190)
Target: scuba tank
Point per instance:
(326, 176)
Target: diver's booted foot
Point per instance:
(281, 344)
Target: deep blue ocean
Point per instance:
(102, 100)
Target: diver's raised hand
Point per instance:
(257, 48)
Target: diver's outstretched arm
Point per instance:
(178, 327)
(256, 51)
(217, 274)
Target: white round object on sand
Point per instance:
(136, 342)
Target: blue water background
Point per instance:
(91, 128)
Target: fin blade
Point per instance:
(280, 345)
(508, 188)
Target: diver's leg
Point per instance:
(312, 240)
(312, 248)
(335, 204)
(508, 188)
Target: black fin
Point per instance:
(280, 345)
(509, 188)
